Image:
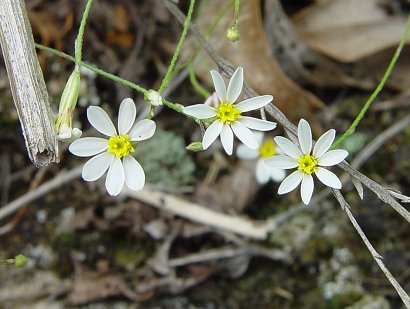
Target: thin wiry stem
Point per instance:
(79, 39)
(376, 256)
(186, 23)
(379, 87)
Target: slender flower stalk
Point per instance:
(114, 154)
(228, 118)
(307, 162)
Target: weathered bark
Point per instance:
(27, 83)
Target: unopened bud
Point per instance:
(20, 260)
(153, 98)
(67, 105)
(233, 34)
(195, 147)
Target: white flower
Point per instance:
(153, 98)
(228, 115)
(267, 149)
(307, 162)
(113, 154)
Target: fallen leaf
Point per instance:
(349, 30)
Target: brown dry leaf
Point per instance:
(297, 59)
(90, 287)
(46, 27)
(349, 30)
(120, 35)
(252, 52)
(400, 78)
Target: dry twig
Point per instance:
(27, 83)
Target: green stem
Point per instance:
(93, 68)
(79, 39)
(174, 106)
(236, 13)
(379, 87)
(195, 83)
(167, 77)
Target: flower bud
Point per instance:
(67, 105)
(153, 98)
(233, 34)
(195, 147)
(20, 260)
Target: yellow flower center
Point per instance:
(307, 164)
(267, 149)
(227, 113)
(120, 145)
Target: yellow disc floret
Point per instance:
(307, 164)
(267, 149)
(120, 145)
(227, 113)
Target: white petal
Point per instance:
(290, 182)
(235, 85)
(134, 174)
(257, 124)
(332, 157)
(328, 178)
(304, 136)
(262, 172)
(97, 166)
(288, 147)
(254, 103)
(142, 130)
(246, 153)
(100, 121)
(219, 85)
(126, 115)
(306, 189)
(324, 142)
(245, 135)
(211, 133)
(200, 111)
(88, 146)
(227, 139)
(115, 177)
(282, 162)
(276, 174)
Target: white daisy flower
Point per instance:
(307, 162)
(114, 154)
(228, 115)
(263, 172)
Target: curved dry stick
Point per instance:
(376, 256)
(61, 179)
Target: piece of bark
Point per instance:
(27, 83)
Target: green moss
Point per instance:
(165, 159)
(129, 258)
(343, 300)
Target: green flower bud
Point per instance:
(153, 98)
(20, 260)
(233, 34)
(195, 147)
(68, 102)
